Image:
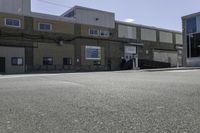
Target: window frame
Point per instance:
(51, 27)
(191, 25)
(48, 63)
(12, 58)
(89, 32)
(67, 64)
(5, 22)
(103, 31)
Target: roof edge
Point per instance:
(191, 15)
(146, 26)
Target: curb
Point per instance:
(171, 69)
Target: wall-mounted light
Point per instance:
(61, 43)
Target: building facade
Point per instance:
(81, 39)
(191, 41)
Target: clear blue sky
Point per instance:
(160, 13)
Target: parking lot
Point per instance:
(101, 102)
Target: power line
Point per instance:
(53, 3)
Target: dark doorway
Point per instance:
(2, 65)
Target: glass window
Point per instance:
(47, 60)
(45, 26)
(97, 63)
(71, 14)
(193, 45)
(17, 61)
(67, 61)
(94, 32)
(104, 33)
(191, 25)
(12, 22)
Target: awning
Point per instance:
(136, 44)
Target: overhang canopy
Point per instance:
(136, 44)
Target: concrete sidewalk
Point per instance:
(171, 69)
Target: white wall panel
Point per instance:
(166, 37)
(179, 39)
(166, 56)
(148, 35)
(127, 32)
(86, 16)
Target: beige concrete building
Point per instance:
(70, 42)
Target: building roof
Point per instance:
(52, 17)
(191, 15)
(84, 8)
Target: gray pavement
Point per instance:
(102, 102)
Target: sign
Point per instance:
(130, 50)
(92, 53)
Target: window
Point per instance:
(48, 61)
(17, 61)
(104, 33)
(94, 32)
(45, 26)
(70, 14)
(13, 22)
(67, 61)
(191, 25)
(97, 63)
(193, 45)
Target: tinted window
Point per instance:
(93, 32)
(105, 33)
(17, 61)
(191, 25)
(67, 61)
(47, 27)
(47, 61)
(12, 22)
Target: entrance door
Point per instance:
(2, 65)
(130, 53)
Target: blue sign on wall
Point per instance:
(93, 53)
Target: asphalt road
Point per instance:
(102, 102)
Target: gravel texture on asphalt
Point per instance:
(101, 102)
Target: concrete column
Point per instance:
(136, 61)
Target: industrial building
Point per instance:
(81, 39)
(191, 41)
